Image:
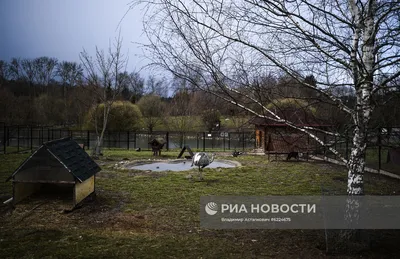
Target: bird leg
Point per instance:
(200, 174)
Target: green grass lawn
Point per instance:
(372, 160)
(139, 214)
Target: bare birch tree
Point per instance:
(102, 76)
(353, 44)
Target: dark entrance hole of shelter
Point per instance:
(55, 192)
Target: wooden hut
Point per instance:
(156, 145)
(278, 137)
(60, 163)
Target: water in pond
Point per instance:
(178, 166)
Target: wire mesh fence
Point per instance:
(382, 153)
(27, 138)
(383, 147)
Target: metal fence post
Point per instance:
(335, 147)
(8, 136)
(127, 140)
(379, 149)
(204, 141)
(308, 147)
(167, 139)
(347, 144)
(18, 138)
(4, 138)
(224, 141)
(255, 140)
(134, 140)
(366, 147)
(119, 139)
(243, 140)
(31, 138)
(88, 139)
(109, 138)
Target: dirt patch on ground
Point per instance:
(149, 173)
(103, 210)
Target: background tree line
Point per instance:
(45, 91)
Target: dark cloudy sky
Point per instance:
(62, 28)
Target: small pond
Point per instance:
(178, 165)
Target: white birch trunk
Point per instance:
(363, 70)
(356, 165)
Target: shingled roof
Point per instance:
(71, 156)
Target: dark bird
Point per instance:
(294, 155)
(236, 153)
(202, 160)
(138, 149)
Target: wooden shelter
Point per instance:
(156, 145)
(278, 137)
(60, 163)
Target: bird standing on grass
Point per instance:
(236, 153)
(202, 160)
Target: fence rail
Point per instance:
(14, 139)
(383, 147)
